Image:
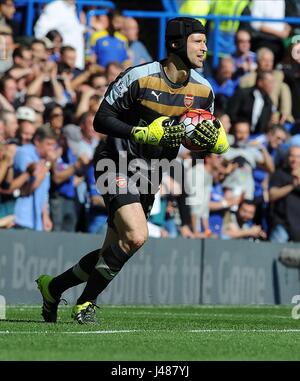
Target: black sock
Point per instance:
(115, 259)
(68, 279)
(95, 285)
(88, 262)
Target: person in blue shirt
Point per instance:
(97, 214)
(222, 82)
(273, 140)
(63, 206)
(138, 53)
(109, 48)
(31, 208)
(244, 59)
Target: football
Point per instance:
(190, 119)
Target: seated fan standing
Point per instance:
(133, 115)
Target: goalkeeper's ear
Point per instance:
(222, 144)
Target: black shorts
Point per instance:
(118, 189)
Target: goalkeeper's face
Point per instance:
(196, 49)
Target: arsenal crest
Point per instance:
(121, 182)
(188, 100)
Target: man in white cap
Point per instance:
(26, 120)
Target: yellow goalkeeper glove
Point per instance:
(159, 132)
(211, 136)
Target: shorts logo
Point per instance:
(188, 100)
(121, 182)
(120, 88)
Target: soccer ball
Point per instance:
(190, 120)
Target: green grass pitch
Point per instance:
(154, 333)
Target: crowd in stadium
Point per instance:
(52, 84)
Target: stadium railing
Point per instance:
(162, 17)
(32, 6)
(217, 19)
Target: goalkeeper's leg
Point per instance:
(80, 272)
(51, 288)
(132, 231)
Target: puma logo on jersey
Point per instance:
(156, 95)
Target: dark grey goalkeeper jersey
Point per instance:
(137, 97)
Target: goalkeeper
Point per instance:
(137, 115)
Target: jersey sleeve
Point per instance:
(119, 98)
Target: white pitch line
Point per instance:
(212, 330)
(71, 332)
(262, 330)
(104, 332)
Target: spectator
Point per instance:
(223, 85)
(137, 52)
(26, 120)
(8, 93)
(200, 179)
(56, 38)
(7, 48)
(87, 84)
(90, 138)
(97, 22)
(253, 153)
(91, 99)
(291, 70)
(281, 93)
(109, 46)
(219, 202)
(31, 209)
(46, 84)
(225, 120)
(240, 224)
(37, 105)
(228, 28)
(68, 61)
(39, 51)
(254, 103)
(272, 140)
(243, 58)
(22, 67)
(275, 137)
(112, 71)
(98, 82)
(195, 8)
(10, 125)
(240, 182)
(86, 147)
(285, 197)
(63, 208)
(7, 11)
(7, 201)
(55, 117)
(97, 214)
(270, 34)
(61, 15)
